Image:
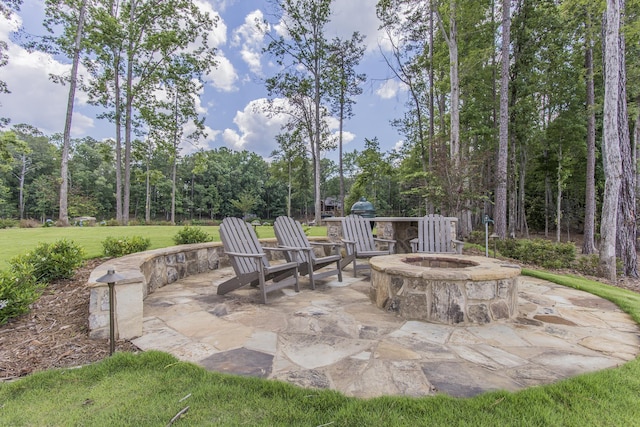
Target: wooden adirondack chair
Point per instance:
(435, 236)
(291, 236)
(360, 243)
(250, 262)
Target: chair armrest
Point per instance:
(239, 254)
(293, 248)
(391, 242)
(281, 249)
(324, 244)
(350, 246)
(377, 239)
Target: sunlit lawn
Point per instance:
(14, 241)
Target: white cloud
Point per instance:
(390, 89)
(223, 77)
(189, 147)
(347, 137)
(218, 36)
(256, 128)
(250, 37)
(222, 5)
(34, 98)
(360, 15)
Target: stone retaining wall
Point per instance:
(143, 273)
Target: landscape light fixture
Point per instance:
(111, 278)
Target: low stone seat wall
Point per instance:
(143, 273)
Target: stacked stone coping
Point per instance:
(482, 291)
(143, 273)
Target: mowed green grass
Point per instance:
(151, 388)
(14, 241)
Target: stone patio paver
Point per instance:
(334, 337)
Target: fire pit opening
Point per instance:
(440, 262)
(451, 289)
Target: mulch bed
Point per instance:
(55, 333)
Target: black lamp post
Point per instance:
(110, 279)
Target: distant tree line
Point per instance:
(210, 184)
(523, 111)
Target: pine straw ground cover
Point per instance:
(55, 333)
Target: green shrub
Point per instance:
(540, 252)
(203, 222)
(8, 223)
(476, 237)
(29, 223)
(190, 234)
(18, 289)
(590, 265)
(120, 246)
(51, 261)
(110, 223)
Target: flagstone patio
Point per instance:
(336, 338)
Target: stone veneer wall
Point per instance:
(143, 273)
(478, 294)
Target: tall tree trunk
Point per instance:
(523, 227)
(289, 189)
(147, 204)
(174, 164)
(317, 135)
(340, 164)
(432, 109)
(451, 38)
(636, 143)
(21, 181)
(588, 245)
(547, 199)
(63, 217)
(118, 123)
(611, 140)
(500, 212)
(128, 122)
(174, 170)
(626, 231)
(559, 184)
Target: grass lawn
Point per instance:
(19, 240)
(151, 388)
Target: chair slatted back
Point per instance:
(239, 236)
(434, 234)
(289, 232)
(358, 229)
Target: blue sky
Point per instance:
(231, 91)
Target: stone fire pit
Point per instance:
(445, 288)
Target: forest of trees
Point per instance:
(526, 111)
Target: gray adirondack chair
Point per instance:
(250, 263)
(291, 236)
(360, 243)
(435, 235)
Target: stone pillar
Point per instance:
(128, 307)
